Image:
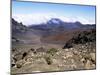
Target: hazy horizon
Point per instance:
(36, 13)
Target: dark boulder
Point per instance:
(68, 45)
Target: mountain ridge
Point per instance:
(56, 23)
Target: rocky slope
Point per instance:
(21, 34)
(40, 60)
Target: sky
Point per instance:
(36, 13)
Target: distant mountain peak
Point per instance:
(54, 21)
(78, 23)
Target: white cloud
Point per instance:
(85, 20)
(38, 18)
(35, 18)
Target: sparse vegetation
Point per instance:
(48, 60)
(81, 38)
(52, 51)
(24, 55)
(33, 50)
(84, 37)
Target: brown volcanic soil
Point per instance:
(62, 37)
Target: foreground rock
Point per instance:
(77, 58)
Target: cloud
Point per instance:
(35, 18)
(38, 18)
(85, 20)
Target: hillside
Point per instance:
(21, 34)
